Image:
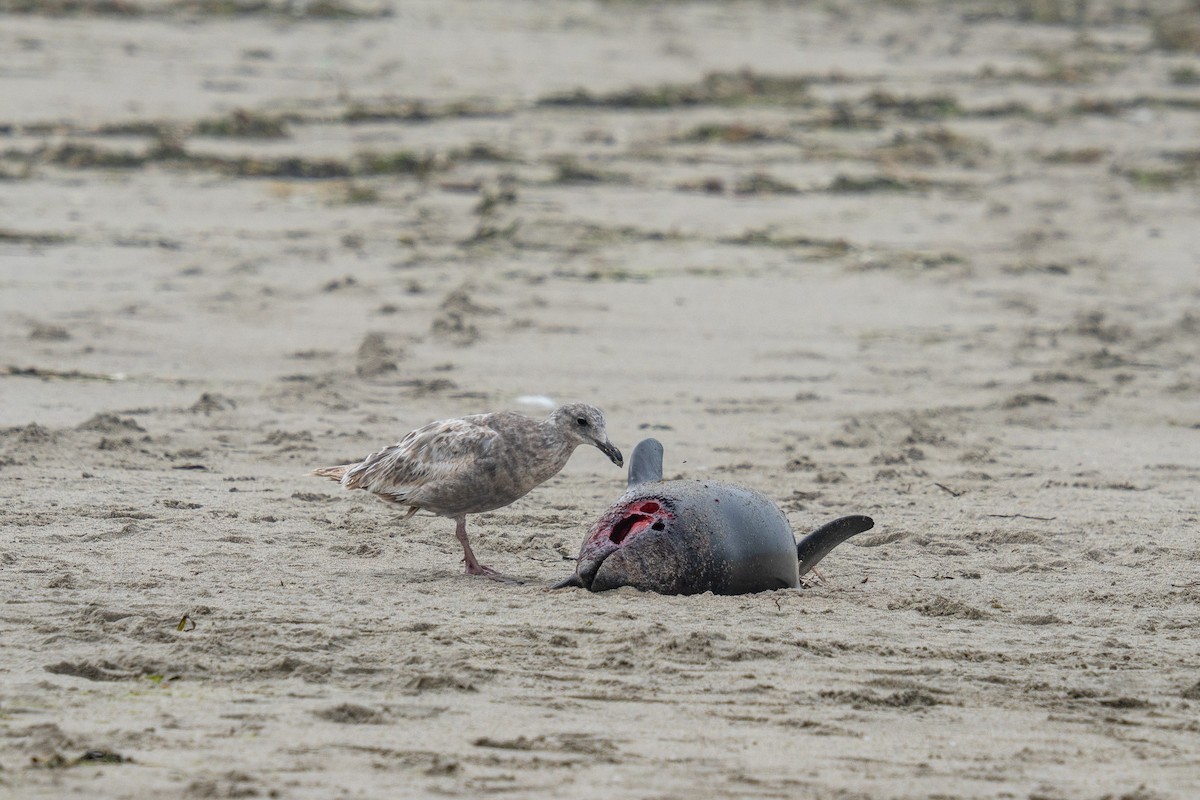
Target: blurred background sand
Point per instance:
(934, 262)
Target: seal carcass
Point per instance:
(687, 537)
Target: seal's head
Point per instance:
(584, 424)
(631, 545)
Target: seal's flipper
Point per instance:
(574, 580)
(816, 545)
(646, 463)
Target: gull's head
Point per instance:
(584, 424)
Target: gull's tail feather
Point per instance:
(333, 473)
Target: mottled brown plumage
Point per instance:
(477, 463)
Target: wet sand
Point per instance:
(935, 263)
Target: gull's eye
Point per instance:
(582, 421)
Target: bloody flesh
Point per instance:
(634, 522)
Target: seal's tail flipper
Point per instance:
(816, 545)
(646, 463)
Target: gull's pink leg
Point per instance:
(473, 565)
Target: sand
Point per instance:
(936, 263)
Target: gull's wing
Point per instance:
(434, 454)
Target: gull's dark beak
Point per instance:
(612, 452)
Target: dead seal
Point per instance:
(688, 537)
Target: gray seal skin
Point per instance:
(688, 537)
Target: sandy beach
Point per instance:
(937, 263)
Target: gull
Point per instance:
(476, 463)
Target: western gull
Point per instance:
(476, 463)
